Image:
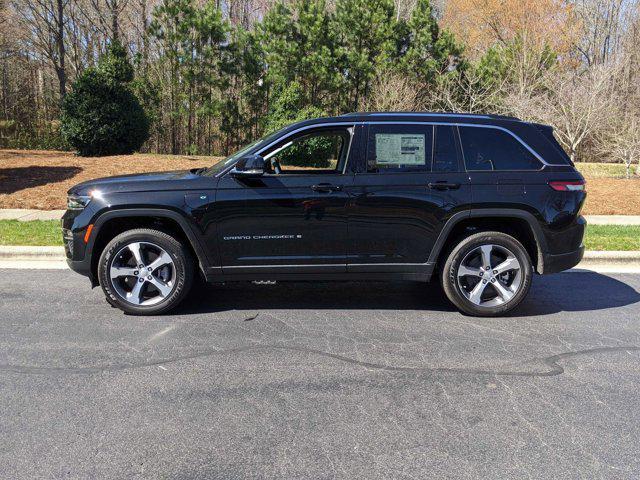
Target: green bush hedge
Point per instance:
(102, 115)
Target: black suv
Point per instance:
(482, 201)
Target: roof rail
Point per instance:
(429, 114)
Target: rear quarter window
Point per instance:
(493, 149)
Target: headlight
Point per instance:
(77, 202)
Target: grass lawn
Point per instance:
(599, 237)
(613, 237)
(604, 170)
(36, 232)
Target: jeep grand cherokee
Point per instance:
(480, 201)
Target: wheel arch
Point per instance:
(114, 222)
(518, 223)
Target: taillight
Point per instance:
(568, 185)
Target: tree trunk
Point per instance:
(60, 68)
(114, 21)
(145, 38)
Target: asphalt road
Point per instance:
(358, 380)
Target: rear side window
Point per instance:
(445, 150)
(493, 149)
(399, 148)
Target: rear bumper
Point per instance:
(563, 261)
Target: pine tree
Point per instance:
(429, 52)
(366, 31)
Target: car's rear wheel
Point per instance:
(487, 274)
(145, 272)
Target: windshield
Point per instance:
(221, 165)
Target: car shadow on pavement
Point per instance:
(577, 291)
(317, 296)
(570, 292)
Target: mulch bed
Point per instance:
(40, 179)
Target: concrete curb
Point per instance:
(19, 252)
(612, 219)
(56, 254)
(26, 215)
(603, 256)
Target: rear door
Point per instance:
(503, 170)
(410, 183)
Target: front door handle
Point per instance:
(443, 186)
(326, 188)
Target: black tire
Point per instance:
(183, 264)
(453, 289)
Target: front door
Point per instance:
(413, 180)
(294, 218)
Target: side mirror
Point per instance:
(250, 166)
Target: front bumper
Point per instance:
(82, 267)
(74, 227)
(561, 262)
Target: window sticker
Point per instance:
(400, 149)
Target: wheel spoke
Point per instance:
(503, 292)
(485, 251)
(163, 259)
(117, 272)
(464, 271)
(163, 288)
(135, 250)
(511, 263)
(476, 293)
(135, 295)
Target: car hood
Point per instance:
(142, 182)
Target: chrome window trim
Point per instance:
(350, 126)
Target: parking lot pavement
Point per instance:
(357, 380)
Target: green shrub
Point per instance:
(102, 116)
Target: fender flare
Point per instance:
(538, 235)
(201, 253)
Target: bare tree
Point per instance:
(575, 104)
(466, 92)
(603, 28)
(43, 23)
(622, 144)
(392, 92)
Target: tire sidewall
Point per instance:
(457, 255)
(175, 250)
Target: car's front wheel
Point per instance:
(487, 274)
(145, 271)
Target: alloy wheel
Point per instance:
(142, 273)
(489, 275)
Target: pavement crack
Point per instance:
(552, 362)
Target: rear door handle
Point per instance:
(443, 186)
(326, 188)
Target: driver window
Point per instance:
(322, 151)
